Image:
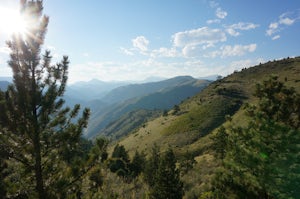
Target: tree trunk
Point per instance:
(38, 169)
(36, 142)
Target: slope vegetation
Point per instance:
(190, 126)
(149, 96)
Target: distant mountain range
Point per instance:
(3, 85)
(161, 96)
(4, 82)
(91, 90)
(113, 104)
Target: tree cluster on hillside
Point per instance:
(43, 154)
(159, 172)
(261, 160)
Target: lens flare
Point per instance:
(11, 22)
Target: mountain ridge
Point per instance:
(190, 127)
(162, 96)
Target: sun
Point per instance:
(11, 22)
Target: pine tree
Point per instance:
(38, 133)
(262, 159)
(119, 162)
(187, 162)
(136, 166)
(220, 141)
(167, 180)
(151, 166)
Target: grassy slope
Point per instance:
(200, 116)
(178, 89)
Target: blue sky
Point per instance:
(135, 39)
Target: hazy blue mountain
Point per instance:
(7, 79)
(164, 97)
(210, 77)
(91, 90)
(128, 122)
(3, 85)
(124, 93)
(153, 79)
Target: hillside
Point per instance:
(124, 93)
(149, 96)
(190, 127)
(91, 90)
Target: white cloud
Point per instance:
(4, 50)
(164, 52)
(141, 43)
(276, 37)
(49, 47)
(284, 20)
(238, 65)
(211, 21)
(213, 4)
(138, 70)
(232, 32)
(232, 29)
(273, 25)
(243, 26)
(272, 29)
(192, 42)
(221, 13)
(198, 36)
(230, 51)
(5, 70)
(126, 51)
(190, 51)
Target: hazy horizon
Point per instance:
(121, 41)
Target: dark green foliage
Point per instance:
(152, 166)
(96, 179)
(165, 113)
(176, 109)
(122, 166)
(38, 135)
(137, 164)
(187, 162)
(167, 179)
(279, 103)
(120, 161)
(262, 159)
(220, 141)
(3, 172)
(99, 152)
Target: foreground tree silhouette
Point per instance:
(262, 158)
(37, 131)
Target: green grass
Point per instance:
(201, 115)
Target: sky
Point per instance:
(120, 40)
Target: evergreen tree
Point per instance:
(119, 162)
(220, 141)
(151, 166)
(3, 173)
(167, 179)
(99, 151)
(136, 166)
(262, 159)
(38, 134)
(187, 162)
